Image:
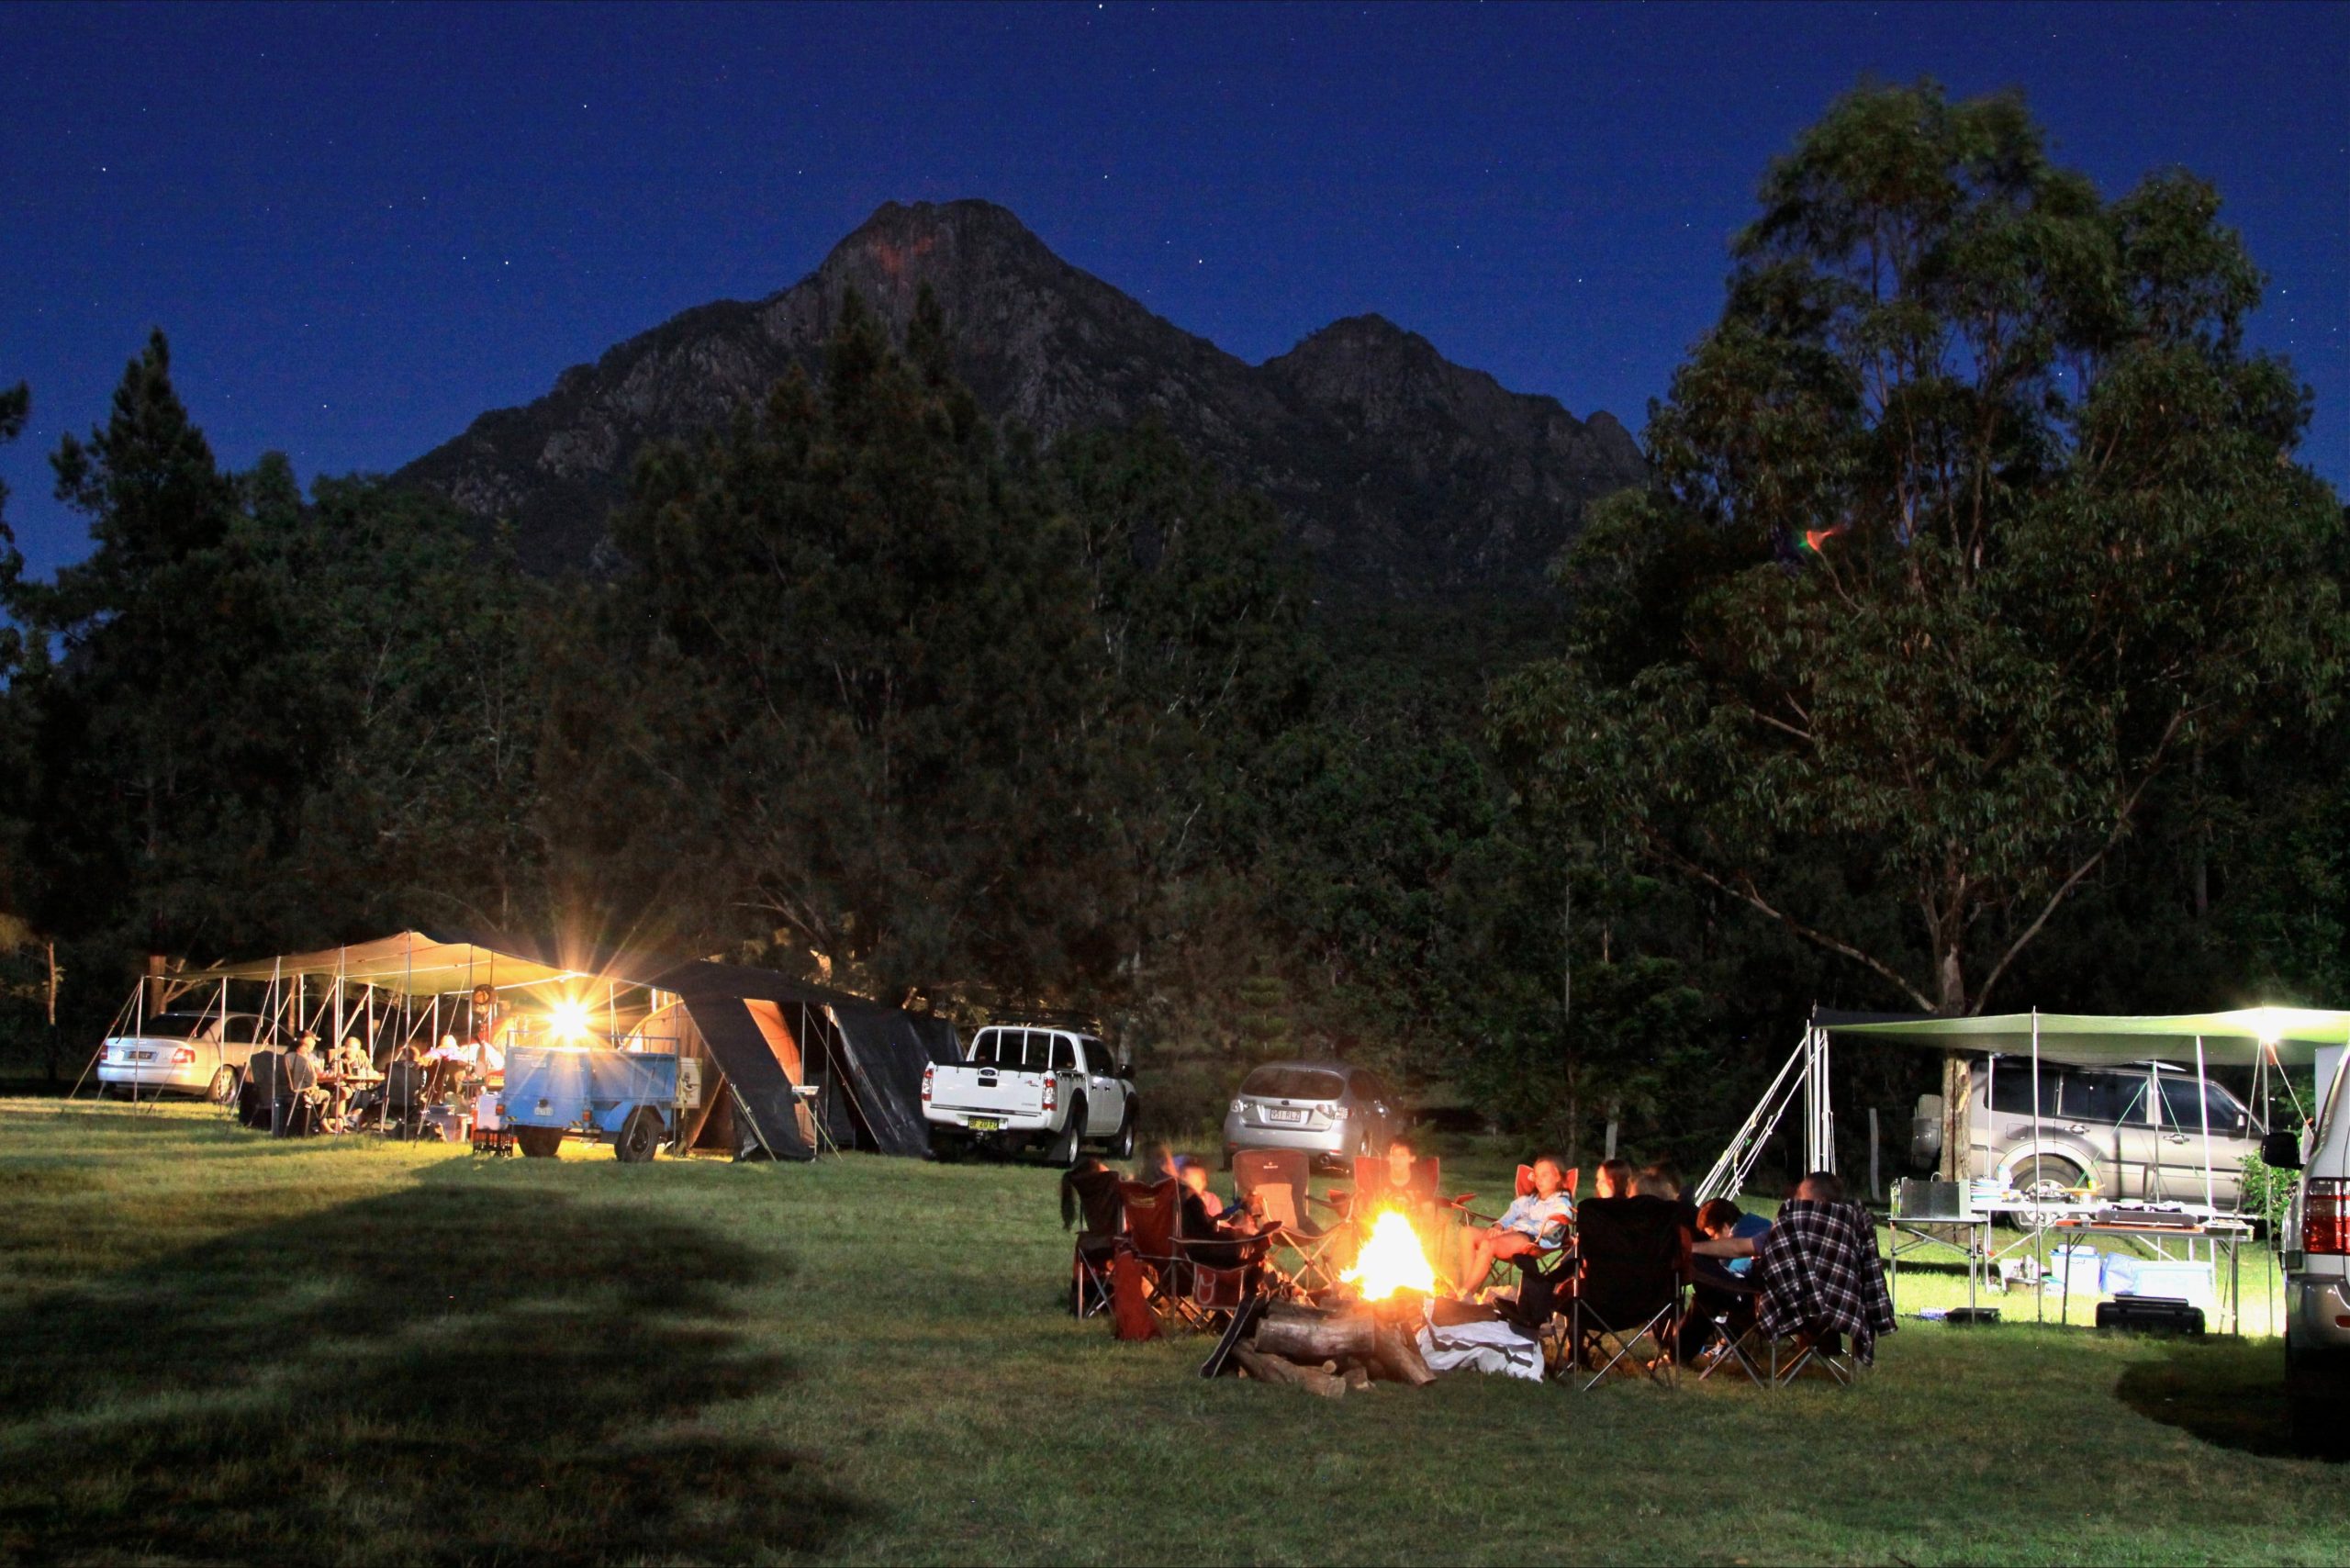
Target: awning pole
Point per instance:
(2039, 1221)
(2203, 1098)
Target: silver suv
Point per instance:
(1324, 1108)
(2138, 1130)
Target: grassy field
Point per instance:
(218, 1347)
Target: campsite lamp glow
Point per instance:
(568, 1018)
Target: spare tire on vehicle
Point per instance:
(538, 1143)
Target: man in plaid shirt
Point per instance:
(1819, 1273)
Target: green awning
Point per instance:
(2289, 1036)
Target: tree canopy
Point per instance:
(1974, 524)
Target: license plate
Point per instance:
(142, 1055)
(983, 1123)
(1283, 1113)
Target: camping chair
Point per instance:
(258, 1092)
(1221, 1275)
(1153, 1212)
(404, 1083)
(1823, 1300)
(1279, 1180)
(1633, 1255)
(1092, 1195)
(1719, 1328)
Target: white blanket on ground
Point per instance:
(1481, 1347)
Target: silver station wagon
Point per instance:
(1330, 1110)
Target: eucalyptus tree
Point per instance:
(1974, 520)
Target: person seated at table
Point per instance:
(446, 1068)
(298, 1085)
(1541, 1215)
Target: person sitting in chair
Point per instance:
(1524, 1225)
(299, 1086)
(1613, 1179)
(1724, 1258)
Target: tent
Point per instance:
(774, 1037)
(2263, 1038)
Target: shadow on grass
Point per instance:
(455, 1371)
(2228, 1395)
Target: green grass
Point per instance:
(218, 1347)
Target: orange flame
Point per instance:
(1391, 1260)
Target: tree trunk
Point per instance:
(1274, 1369)
(1957, 1084)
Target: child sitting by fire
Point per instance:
(1540, 1216)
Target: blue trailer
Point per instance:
(632, 1098)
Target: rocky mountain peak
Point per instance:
(1398, 470)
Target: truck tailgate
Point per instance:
(988, 1090)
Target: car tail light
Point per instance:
(1052, 1093)
(183, 1055)
(2325, 1216)
(928, 1075)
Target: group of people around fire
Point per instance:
(1721, 1241)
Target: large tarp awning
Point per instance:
(416, 964)
(2289, 1036)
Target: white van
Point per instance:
(2316, 1256)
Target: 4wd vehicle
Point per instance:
(2136, 1132)
(181, 1053)
(1022, 1086)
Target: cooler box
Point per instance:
(2183, 1281)
(2120, 1274)
(2076, 1271)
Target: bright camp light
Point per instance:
(568, 1020)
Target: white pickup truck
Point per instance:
(1023, 1085)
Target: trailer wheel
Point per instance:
(538, 1143)
(640, 1136)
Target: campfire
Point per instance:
(1330, 1348)
(1391, 1260)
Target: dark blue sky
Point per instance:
(362, 226)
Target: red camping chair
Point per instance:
(1153, 1212)
(1280, 1182)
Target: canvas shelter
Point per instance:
(764, 1039)
(2264, 1039)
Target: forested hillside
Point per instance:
(1975, 639)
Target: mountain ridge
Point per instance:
(1399, 471)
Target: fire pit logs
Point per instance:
(1327, 1350)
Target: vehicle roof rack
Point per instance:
(1047, 1018)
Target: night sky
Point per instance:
(363, 226)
